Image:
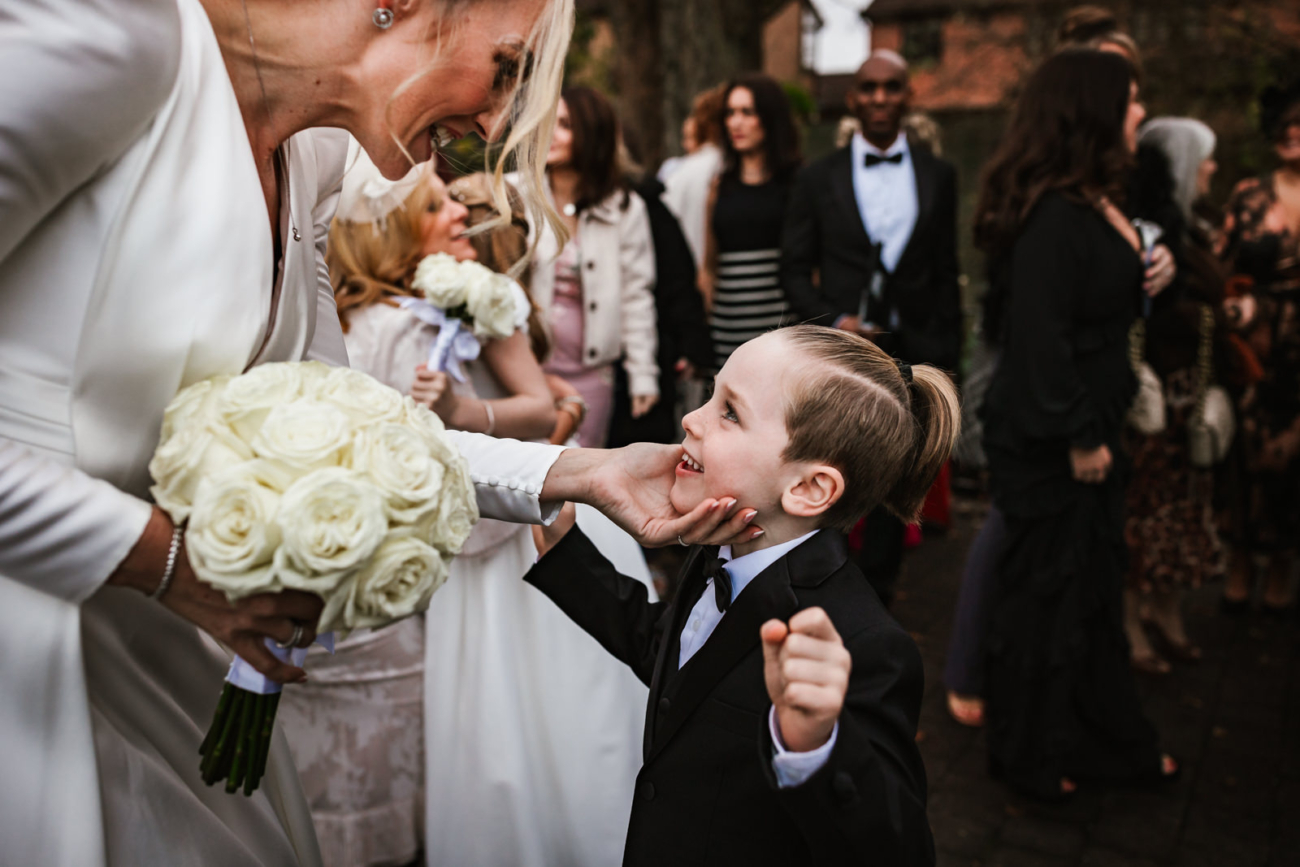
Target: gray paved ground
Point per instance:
(1233, 719)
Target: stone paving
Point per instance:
(1233, 720)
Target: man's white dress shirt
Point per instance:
(886, 197)
(791, 768)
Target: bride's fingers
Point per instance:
(720, 520)
(739, 527)
(255, 653)
(282, 628)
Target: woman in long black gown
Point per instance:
(1065, 267)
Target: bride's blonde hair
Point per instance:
(534, 102)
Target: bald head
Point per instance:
(882, 61)
(880, 96)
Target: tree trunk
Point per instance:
(670, 50)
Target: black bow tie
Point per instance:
(876, 159)
(715, 568)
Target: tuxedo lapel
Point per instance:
(767, 596)
(923, 170)
(672, 622)
(842, 188)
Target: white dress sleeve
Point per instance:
(85, 82)
(508, 476)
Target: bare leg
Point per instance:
(1240, 572)
(1143, 655)
(1277, 589)
(1166, 613)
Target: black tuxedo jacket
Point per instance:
(707, 794)
(824, 235)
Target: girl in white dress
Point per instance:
(530, 737)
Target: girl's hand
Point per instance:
(1091, 466)
(433, 390)
(1160, 272)
(643, 403)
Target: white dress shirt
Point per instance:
(791, 768)
(886, 197)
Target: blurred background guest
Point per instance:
(1173, 543)
(596, 290)
(1262, 245)
(870, 246)
(686, 189)
(1066, 266)
(741, 280)
(684, 347)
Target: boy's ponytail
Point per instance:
(937, 412)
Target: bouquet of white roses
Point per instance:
(457, 294)
(317, 479)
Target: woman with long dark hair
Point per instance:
(596, 290)
(740, 278)
(1066, 275)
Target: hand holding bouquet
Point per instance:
(300, 476)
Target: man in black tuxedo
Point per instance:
(870, 246)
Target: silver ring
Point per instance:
(293, 639)
(680, 542)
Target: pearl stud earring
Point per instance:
(383, 18)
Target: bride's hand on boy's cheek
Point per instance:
(807, 671)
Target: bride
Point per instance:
(150, 148)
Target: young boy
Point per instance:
(783, 699)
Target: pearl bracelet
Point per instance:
(169, 571)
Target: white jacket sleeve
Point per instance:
(508, 476)
(639, 326)
(82, 85)
(331, 159)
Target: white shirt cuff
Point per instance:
(794, 769)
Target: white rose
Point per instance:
(304, 435)
(248, 399)
(442, 280)
(457, 510)
(193, 405)
(397, 459)
(491, 303)
(398, 582)
(331, 521)
(233, 536)
(364, 399)
(192, 453)
(426, 422)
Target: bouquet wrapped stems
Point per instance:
(239, 739)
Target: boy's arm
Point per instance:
(867, 802)
(613, 608)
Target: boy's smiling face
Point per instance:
(735, 441)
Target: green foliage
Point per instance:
(802, 102)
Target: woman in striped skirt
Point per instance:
(741, 276)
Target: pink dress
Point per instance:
(595, 384)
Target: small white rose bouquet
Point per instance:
(459, 295)
(306, 477)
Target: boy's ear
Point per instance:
(815, 491)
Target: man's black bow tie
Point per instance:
(877, 159)
(715, 568)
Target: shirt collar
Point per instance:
(746, 568)
(862, 147)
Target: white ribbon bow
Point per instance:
(453, 346)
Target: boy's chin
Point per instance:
(685, 496)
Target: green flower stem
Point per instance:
(255, 746)
(241, 745)
(223, 704)
(212, 771)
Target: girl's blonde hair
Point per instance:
(502, 247)
(372, 261)
(534, 101)
(887, 426)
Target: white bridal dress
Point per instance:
(532, 732)
(134, 260)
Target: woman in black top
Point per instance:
(740, 279)
(1065, 267)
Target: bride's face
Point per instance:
(416, 89)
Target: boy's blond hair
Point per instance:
(888, 427)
